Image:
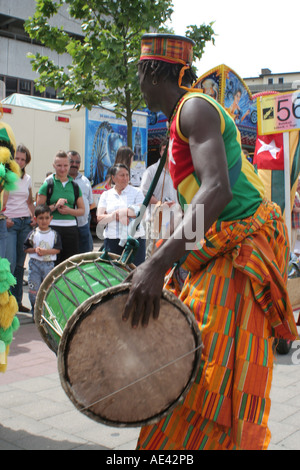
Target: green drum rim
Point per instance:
(68, 285)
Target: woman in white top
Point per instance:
(19, 218)
(116, 208)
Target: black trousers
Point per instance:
(112, 246)
(70, 242)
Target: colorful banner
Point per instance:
(274, 180)
(226, 87)
(157, 128)
(278, 113)
(269, 152)
(105, 134)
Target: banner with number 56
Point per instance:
(278, 113)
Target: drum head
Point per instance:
(122, 376)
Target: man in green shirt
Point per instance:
(64, 204)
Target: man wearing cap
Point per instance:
(236, 276)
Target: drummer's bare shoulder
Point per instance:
(200, 123)
(199, 119)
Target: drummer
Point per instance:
(236, 277)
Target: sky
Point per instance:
(251, 35)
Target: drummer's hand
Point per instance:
(145, 294)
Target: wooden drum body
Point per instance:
(122, 376)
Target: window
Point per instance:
(280, 80)
(25, 87)
(270, 81)
(36, 92)
(50, 93)
(11, 85)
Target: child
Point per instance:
(42, 244)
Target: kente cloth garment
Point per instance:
(246, 186)
(236, 288)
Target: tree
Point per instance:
(103, 63)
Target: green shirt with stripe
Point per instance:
(64, 191)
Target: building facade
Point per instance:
(16, 74)
(268, 81)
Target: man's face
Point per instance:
(149, 91)
(74, 165)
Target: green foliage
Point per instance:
(201, 35)
(104, 62)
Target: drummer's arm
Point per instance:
(200, 123)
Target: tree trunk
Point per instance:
(128, 118)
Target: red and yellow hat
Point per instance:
(167, 48)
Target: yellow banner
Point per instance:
(278, 113)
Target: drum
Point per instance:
(68, 285)
(123, 376)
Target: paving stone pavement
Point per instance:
(36, 414)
